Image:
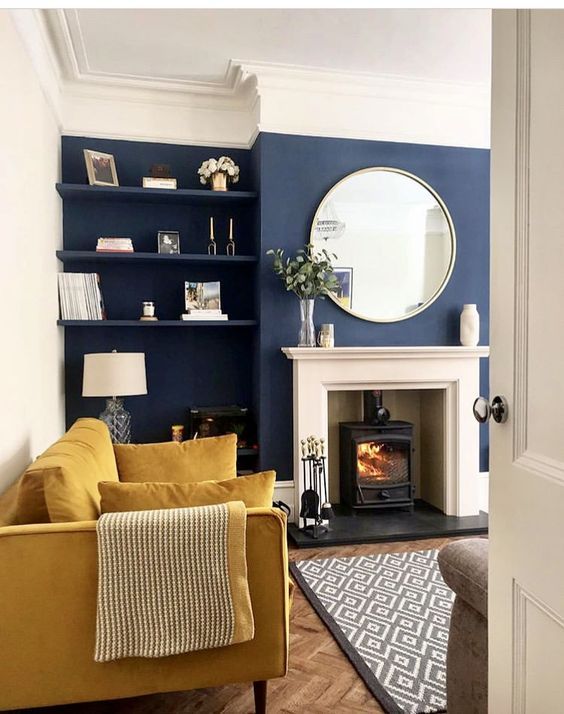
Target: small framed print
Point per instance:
(101, 168)
(344, 291)
(168, 242)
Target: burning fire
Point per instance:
(375, 461)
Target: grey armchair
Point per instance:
(464, 566)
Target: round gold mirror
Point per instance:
(394, 240)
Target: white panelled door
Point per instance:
(526, 605)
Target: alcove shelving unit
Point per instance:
(212, 365)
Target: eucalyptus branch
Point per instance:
(308, 275)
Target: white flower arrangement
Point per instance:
(224, 165)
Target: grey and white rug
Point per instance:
(390, 614)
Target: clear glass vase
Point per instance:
(118, 420)
(307, 328)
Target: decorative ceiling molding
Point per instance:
(73, 56)
(252, 97)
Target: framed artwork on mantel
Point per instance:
(344, 292)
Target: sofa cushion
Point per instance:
(214, 458)
(62, 484)
(256, 491)
(464, 567)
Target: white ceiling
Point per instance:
(197, 45)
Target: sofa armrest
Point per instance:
(464, 567)
(48, 591)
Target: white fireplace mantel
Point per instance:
(456, 370)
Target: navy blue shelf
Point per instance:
(134, 194)
(81, 256)
(157, 323)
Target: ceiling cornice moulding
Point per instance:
(252, 97)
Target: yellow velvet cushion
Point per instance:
(62, 484)
(256, 491)
(186, 462)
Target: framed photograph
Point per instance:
(344, 293)
(101, 168)
(168, 242)
(202, 296)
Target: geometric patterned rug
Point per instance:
(390, 614)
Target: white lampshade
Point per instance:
(114, 374)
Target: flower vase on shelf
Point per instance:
(469, 326)
(219, 182)
(307, 328)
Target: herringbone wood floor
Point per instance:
(320, 678)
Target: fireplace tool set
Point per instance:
(315, 504)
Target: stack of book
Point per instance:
(204, 315)
(80, 296)
(114, 245)
(203, 302)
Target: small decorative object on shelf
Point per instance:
(469, 326)
(101, 168)
(168, 242)
(212, 247)
(178, 432)
(218, 173)
(148, 311)
(309, 275)
(315, 504)
(111, 374)
(114, 245)
(230, 250)
(202, 301)
(326, 337)
(160, 177)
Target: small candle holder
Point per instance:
(230, 250)
(148, 311)
(212, 248)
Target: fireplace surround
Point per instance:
(454, 370)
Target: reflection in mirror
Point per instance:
(394, 241)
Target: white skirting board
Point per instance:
(483, 491)
(284, 491)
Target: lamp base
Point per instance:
(118, 420)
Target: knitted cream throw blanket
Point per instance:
(172, 581)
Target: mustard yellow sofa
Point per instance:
(48, 582)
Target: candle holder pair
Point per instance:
(212, 246)
(315, 504)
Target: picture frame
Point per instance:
(168, 242)
(101, 168)
(344, 294)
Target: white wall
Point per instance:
(31, 411)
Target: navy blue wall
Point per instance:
(295, 174)
(218, 366)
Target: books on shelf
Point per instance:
(114, 245)
(203, 315)
(80, 296)
(152, 182)
(202, 301)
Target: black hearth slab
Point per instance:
(391, 525)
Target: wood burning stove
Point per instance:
(376, 464)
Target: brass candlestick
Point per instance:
(212, 248)
(230, 243)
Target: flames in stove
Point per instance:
(378, 461)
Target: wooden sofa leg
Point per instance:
(260, 696)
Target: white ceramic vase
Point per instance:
(469, 326)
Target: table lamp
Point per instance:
(115, 375)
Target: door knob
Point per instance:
(498, 410)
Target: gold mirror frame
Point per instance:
(452, 232)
